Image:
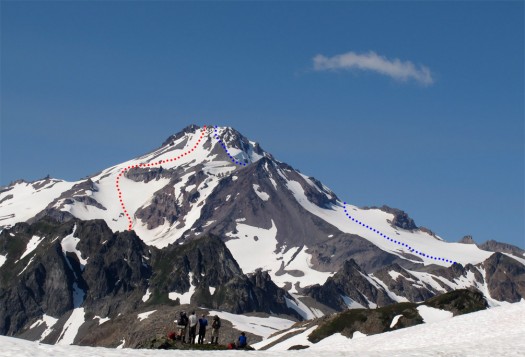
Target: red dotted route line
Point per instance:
(124, 170)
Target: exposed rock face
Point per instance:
(84, 264)
(117, 270)
(167, 204)
(81, 192)
(459, 302)
(189, 129)
(505, 278)
(218, 280)
(401, 218)
(257, 292)
(34, 284)
(493, 246)
(404, 283)
(352, 283)
(374, 321)
(378, 320)
(467, 240)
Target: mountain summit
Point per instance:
(217, 222)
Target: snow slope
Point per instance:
(260, 326)
(29, 199)
(375, 222)
(495, 332)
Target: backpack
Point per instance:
(216, 324)
(184, 320)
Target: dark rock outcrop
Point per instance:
(405, 284)
(467, 240)
(505, 278)
(401, 218)
(350, 282)
(376, 321)
(493, 246)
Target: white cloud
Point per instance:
(371, 61)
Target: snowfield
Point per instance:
(499, 331)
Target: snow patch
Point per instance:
(145, 315)
(259, 345)
(69, 244)
(358, 334)
(260, 326)
(395, 320)
(31, 245)
(185, 297)
(212, 290)
(27, 265)
(123, 342)
(146, 296)
(262, 195)
(302, 309)
(101, 320)
(50, 321)
(70, 329)
(430, 314)
(3, 259)
(351, 303)
(300, 339)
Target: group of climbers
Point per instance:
(189, 324)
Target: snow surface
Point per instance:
(31, 246)
(390, 293)
(260, 326)
(101, 320)
(357, 334)
(185, 297)
(70, 329)
(28, 201)
(351, 304)
(493, 332)
(498, 331)
(269, 259)
(49, 321)
(378, 220)
(395, 320)
(3, 259)
(69, 244)
(266, 342)
(430, 314)
(262, 195)
(27, 265)
(145, 315)
(301, 308)
(146, 295)
(300, 339)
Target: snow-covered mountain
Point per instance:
(321, 254)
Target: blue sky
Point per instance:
(417, 105)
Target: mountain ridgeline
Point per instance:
(253, 238)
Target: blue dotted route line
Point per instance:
(346, 212)
(226, 149)
(395, 241)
